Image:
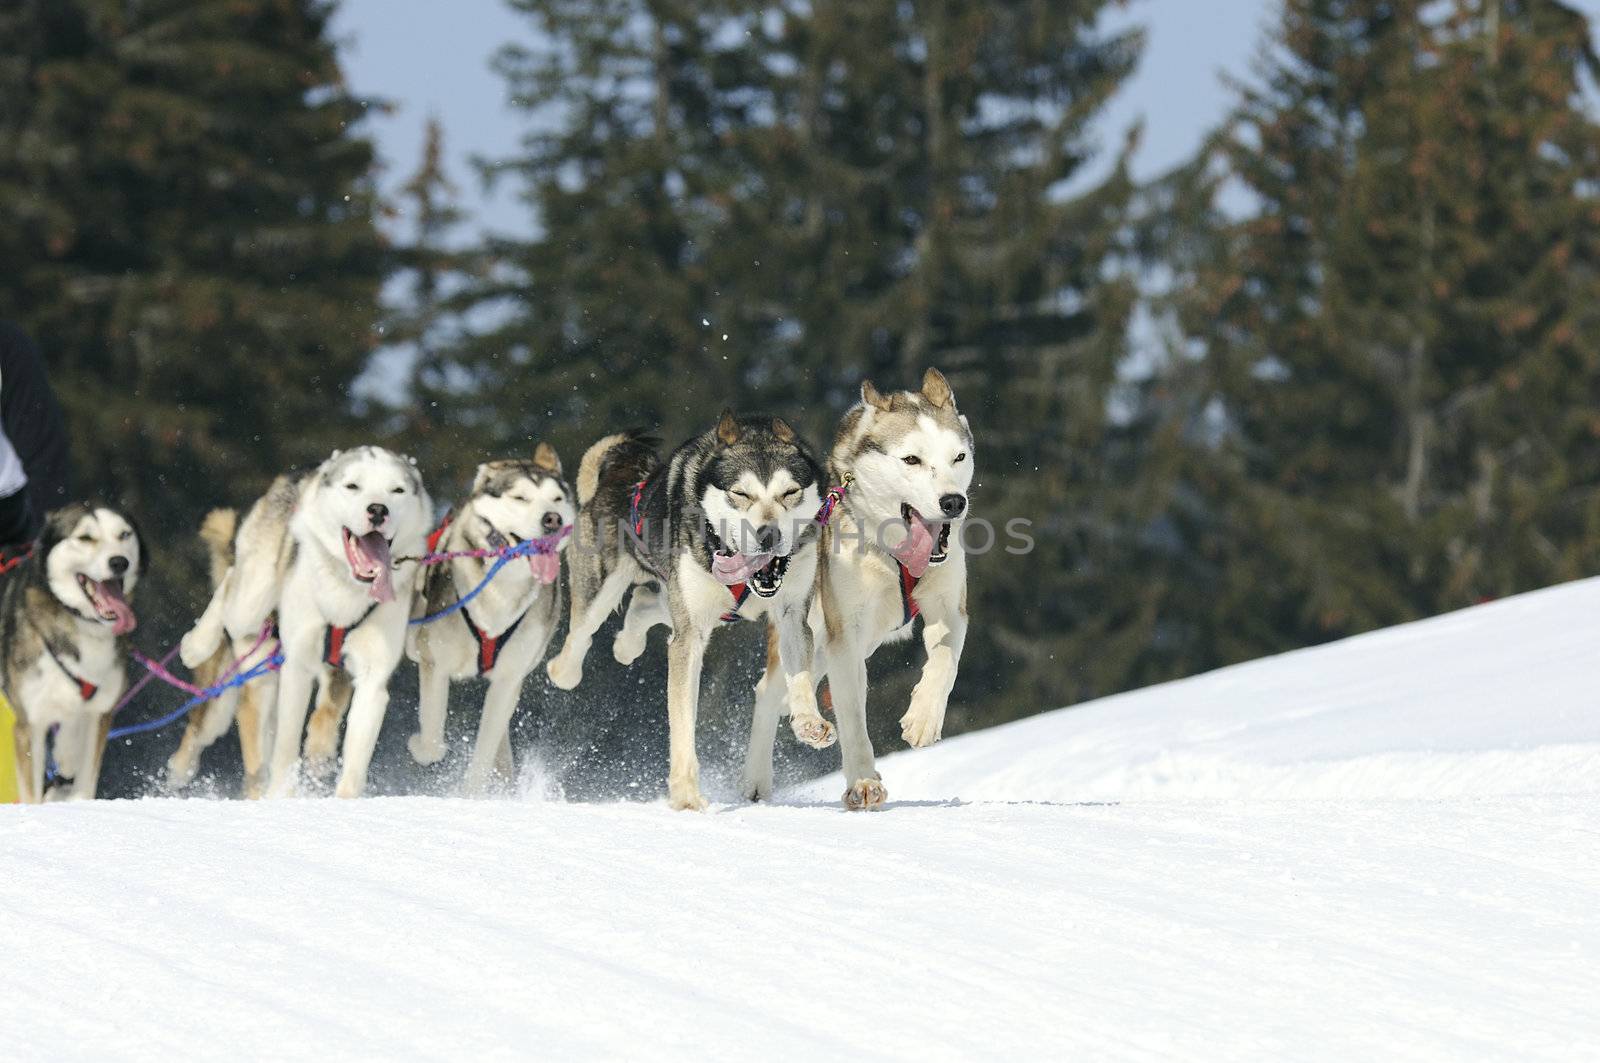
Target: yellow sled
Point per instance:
(8, 754)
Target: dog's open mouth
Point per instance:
(766, 580)
(106, 598)
(926, 542)
(546, 567)
(763, 572)
(368, 557)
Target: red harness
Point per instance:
(86, 689)
(489, 646)
(740, 592)
(333, 639)
(15, 560)
(908, 604)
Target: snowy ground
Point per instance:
(1389, 847)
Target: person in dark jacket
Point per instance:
(35, 466)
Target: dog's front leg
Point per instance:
(433, 699)
(794, 654)
(566, 668)
(494, 729)
(944, 633)
(769, 706)
(86, 773)
(847, 684)
(294, 701)
(686, 651)
(646, 609)
(367, 708)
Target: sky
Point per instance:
(432, 58)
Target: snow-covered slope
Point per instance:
(1388, 847)
(1500, 699)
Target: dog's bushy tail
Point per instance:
(621, 459)
(217, 532)
(206, 642)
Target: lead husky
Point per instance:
(63, 614)
(318, 550)
(891, 552)
(505, 631)
(724, 527)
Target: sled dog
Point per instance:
(250, 705)
(721, 531)
(505, 630)
(319, 551)
(64, 613)
(891, 552)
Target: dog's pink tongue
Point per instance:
(369, 560)
(546, 567)
(917, 548)
(737, 568)
(110, 596)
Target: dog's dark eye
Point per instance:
(960, 458)
(352, 487)
(558, 500)
(911, 459)
(791, 494)
(125, 535)
(738, 496)
(86, 538)
(397, 490)
(521, 498)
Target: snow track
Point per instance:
(1385, 848)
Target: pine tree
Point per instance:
(187, 211)
(1394, 360)
(423, 329)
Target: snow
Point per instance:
(1385, 847)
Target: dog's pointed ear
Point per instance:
(144, 544)
(728, 431)
(480, 479)
(545, 458)
(781, 429)
(873, 397)
(936, 389)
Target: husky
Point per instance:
(64, 615)
(251, 705)
(890, 552)
(721, 531)
(319, 551)
(504, 632)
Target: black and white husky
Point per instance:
(319, 552)
(890, 553)
(724, 530)
(63, 614)
(503, 632)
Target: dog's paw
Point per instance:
(920, 727)
(866, 794)
(813, 730)
(192, 652)
(627, 647)
(686, 799)
(425, 751)
(563, 672)
(756, 789)
(180, 772)
(349, 788)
